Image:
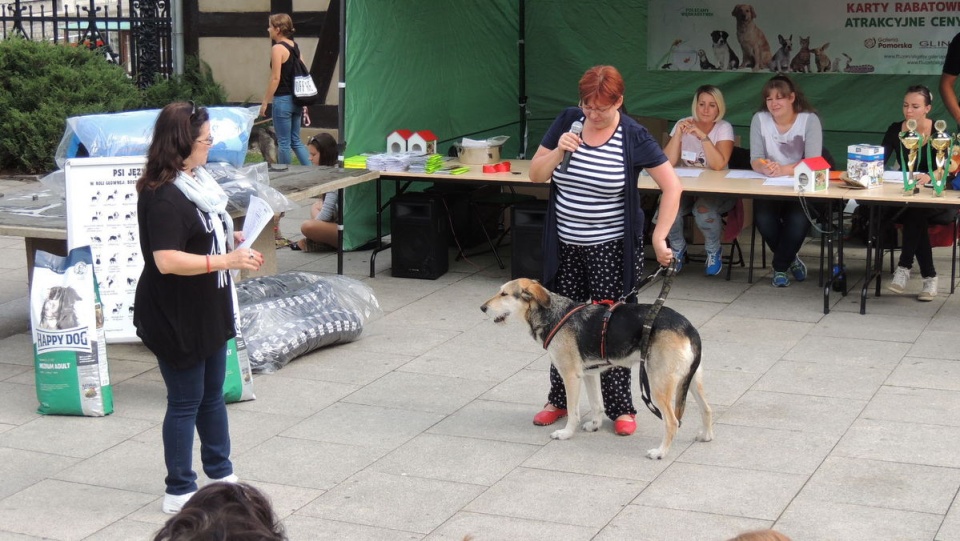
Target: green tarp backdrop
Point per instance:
(453, 67)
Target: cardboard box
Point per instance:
(865, 163)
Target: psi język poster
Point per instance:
(102, 212)
(814, 36)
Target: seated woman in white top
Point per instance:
(784, 131)
(702, 140)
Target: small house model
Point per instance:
(422, 142)
(811, 175)
(398, 141)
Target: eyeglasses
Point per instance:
(600, 110)
(208, 141)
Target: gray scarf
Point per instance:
(209, 197)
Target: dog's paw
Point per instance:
(705, 436)
(655, 454)
(591, 426)
(562, 434)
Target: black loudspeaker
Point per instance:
(418, 230)
(526, 229)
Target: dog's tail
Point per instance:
(681, 398)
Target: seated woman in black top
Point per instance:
(916, 221)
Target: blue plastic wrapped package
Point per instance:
(129, 134)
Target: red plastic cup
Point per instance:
(489, 168)
(503, 167)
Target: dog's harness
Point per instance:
(646, 330)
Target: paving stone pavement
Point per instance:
(828, 427)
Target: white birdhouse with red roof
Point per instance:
(422, 142)
(398, 141)
(811, 175)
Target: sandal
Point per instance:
(307, 245)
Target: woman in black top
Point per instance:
(916, 221)
(287, 116)
(183, 309)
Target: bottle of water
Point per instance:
(839, 277)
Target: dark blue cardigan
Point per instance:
(640, 150)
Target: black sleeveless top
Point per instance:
(285, 88)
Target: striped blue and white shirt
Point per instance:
(590, 194)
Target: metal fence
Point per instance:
(138, 39)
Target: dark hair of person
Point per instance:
(224, 512)
(784, 86)
(283, 23)
(326, 145)
(923, 91)
(177, 128)
(601, 86)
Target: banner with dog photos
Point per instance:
(817, 36)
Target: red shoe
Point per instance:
(548, 417)
(625, 427)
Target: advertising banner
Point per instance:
(817, 36)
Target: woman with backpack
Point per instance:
(287, 116)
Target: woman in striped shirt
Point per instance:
(593, 237)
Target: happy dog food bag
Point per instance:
(69, 350)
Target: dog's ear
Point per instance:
(753, 12)
(536, 293)
(824, 46)
(724, 34)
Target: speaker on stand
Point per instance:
(419, 231)
(526, 229)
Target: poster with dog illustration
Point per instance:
(70, 355)
(819, 36)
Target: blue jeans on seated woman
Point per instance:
(784, 227)
(195, 399)
(706, 213)
(286, 122)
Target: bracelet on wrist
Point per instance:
(705, 138)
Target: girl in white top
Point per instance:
(784, 131)
(702, 140)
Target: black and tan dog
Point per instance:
(578, 351)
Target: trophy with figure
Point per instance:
(910, 140)
(943, 144)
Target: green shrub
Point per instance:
(41, 84)
(196, 83)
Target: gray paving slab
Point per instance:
(641, 522)
(587, 500)
(761, 495)
(827, 427)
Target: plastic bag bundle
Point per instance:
(239, 183)
(129, 134)
(290, 314)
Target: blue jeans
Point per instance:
(784, 227)
(706, 213)
(195, 399)
(286, 122)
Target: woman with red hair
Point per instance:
(593, 236)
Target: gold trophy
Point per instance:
(910, 140)
(941, 142)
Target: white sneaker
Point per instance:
(929, 291)
(173, 504)
(232, 478)
(900, 278)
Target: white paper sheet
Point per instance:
(744, 173)
(893, 176)
(259, 214)
(778, 181)
(687, 172)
